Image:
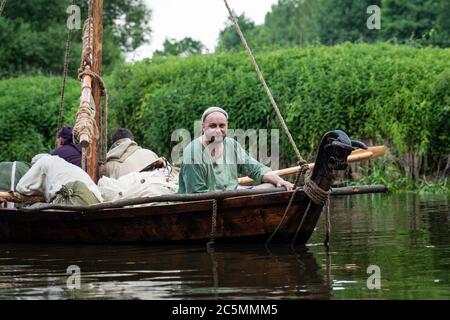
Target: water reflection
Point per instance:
(145, 272)
(407, 236)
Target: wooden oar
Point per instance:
(355, 156)
(19, 198)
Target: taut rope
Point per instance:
(284, 216)
(301, 161)
(65, 71)
(211, 242)
(318, 196)
(2, 6)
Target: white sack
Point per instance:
(48, 175)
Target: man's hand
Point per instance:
(273, 178)
(286, 184)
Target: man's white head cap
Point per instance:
(211, 110)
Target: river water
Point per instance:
(382, 247)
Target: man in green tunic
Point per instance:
(214, 162)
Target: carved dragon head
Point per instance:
(333, 151)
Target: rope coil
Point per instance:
(104, 111)
(315, 193)
(88, 43)
(85, 123)
(84, 70)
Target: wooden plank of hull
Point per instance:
(248, 217)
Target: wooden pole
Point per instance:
(19, 198)
(194, 197)
(97, 17)
(355, 156)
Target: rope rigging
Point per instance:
(314, 192)
(300, 160)
(86, 128)
(2, 6)
(65, 71)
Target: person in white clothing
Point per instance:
(48, 174)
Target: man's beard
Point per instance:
(215, 138)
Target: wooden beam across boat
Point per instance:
(357, 155)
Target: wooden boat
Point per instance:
(247, 215)
(251, 217)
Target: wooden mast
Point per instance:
(97, 17)
(91, 65)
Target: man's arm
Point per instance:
(259, 172)
(32, 182)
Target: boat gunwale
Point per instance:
(188, 207)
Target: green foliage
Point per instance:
(29, 109)
(374, 92)
(389, 174)
(33, 35)
(409, 19)
(306, 22)
(229, 38)
(184, 47)
(344, 20)
(385, 94)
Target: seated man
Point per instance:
(66, 149)
(214, 162)
(59, 181)
(125, 156)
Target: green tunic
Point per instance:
(200, 173)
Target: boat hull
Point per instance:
(245, 218)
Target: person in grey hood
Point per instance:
(125, 156)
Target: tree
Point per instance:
(344, 20)
(404, 19)
(184, 47)
(441, 34)
(416, 20)
(229, 38)
(301, 22)
(291, 23)
(33, 34)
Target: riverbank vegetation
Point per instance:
(327, 63)
(380, 93)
